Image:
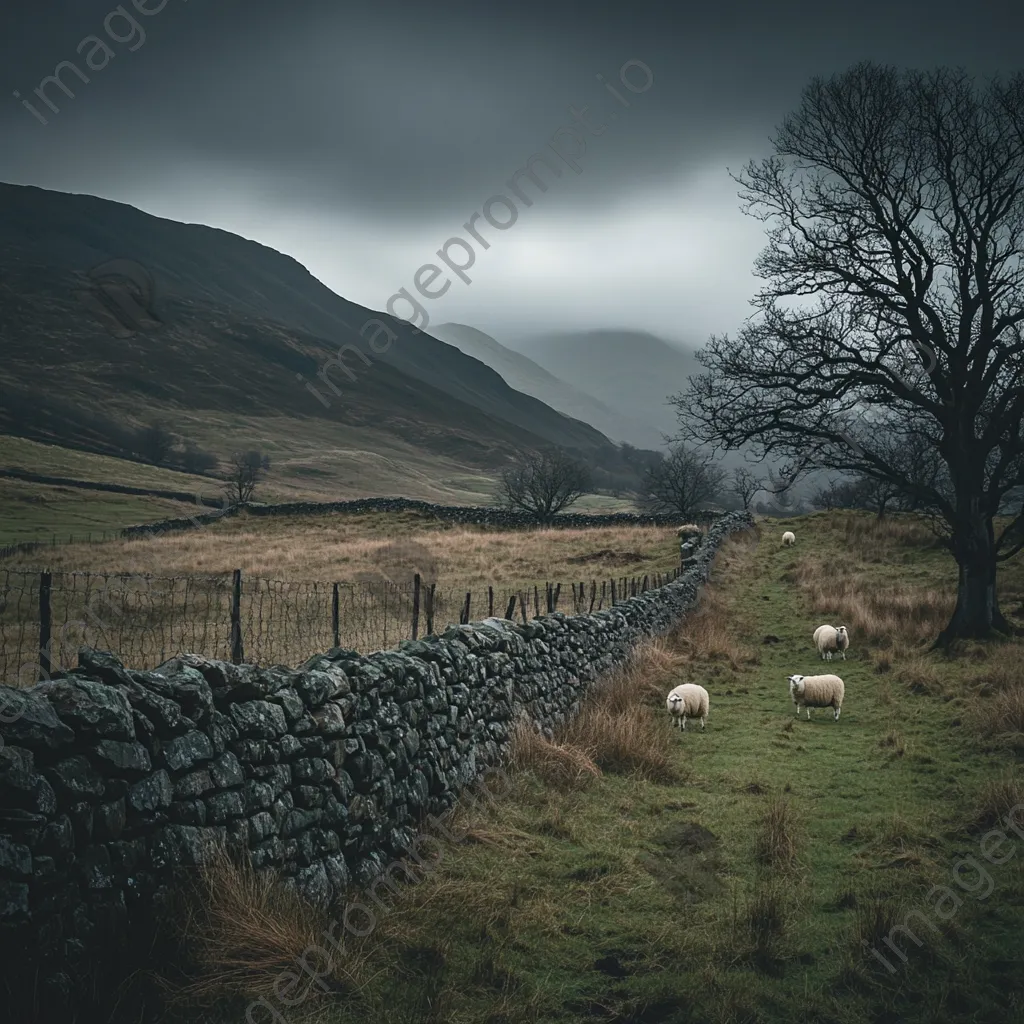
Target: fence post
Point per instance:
(593, 593)
(430, 609)
(522, 607)
(236, 618)
(511, 609)
(613, 592)
(645, 581)
(464, 617)
(490, 602)
(45, 584)
(548, 608)
(335, 619)
(554, 601)
(415, 605)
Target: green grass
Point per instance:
(41, 512)
(741, 891)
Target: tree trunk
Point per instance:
(977, 615)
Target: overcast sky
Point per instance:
(360, 138)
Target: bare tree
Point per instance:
(895, 294)
(682, 481)
(544, 484)
(244, 474)
(745, 484)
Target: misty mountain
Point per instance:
(526, 375)
(631, 372)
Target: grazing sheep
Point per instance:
(688, 700)
(829, 639)
(817, 692)
(788, 538)
(689, 530)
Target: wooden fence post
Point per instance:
(415, 605)
(548, 608)
(613, 592)
(430, 609)
(236, 618)
(335, 618)
(490, 602)
(522, 607)
(45, 621)
(554, 602)
(536, 601)
(464, 617)
(511, 609)
(593, 594)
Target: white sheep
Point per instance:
(689, 530)
(829, 639)
(817, 692)
(788, 538)
(688, 700)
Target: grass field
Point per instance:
(183, 605)
(742, 874)
(344, 546)
(303, 468)
(44, 512)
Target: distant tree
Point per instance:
(745, 484)
(681, 482)
(154, 443)
(243, 475)
(544, 484)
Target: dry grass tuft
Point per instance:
(244, 929)
(995, 799)
(1001, 713)
(775, 844)
(561, 765)
(618, 729)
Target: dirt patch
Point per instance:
(609, 556)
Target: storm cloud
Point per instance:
(360, 141)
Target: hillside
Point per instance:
(632, 372)
(235, 325)
(526, 375)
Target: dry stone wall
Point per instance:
(111, 779)
(467, 514)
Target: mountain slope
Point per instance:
(238, 324)
(526, 375)
(632, 372)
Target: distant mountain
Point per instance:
(631, 372)
(237, 329)
(529, 377)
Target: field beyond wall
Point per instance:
(743, 874)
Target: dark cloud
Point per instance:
(271, 117)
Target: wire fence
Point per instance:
(145, 620)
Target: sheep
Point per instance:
(788, 538)
(688, 700)
(817, 692)
(831, 638)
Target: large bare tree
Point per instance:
(543, 484)
(893, 306)
(682, 481)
